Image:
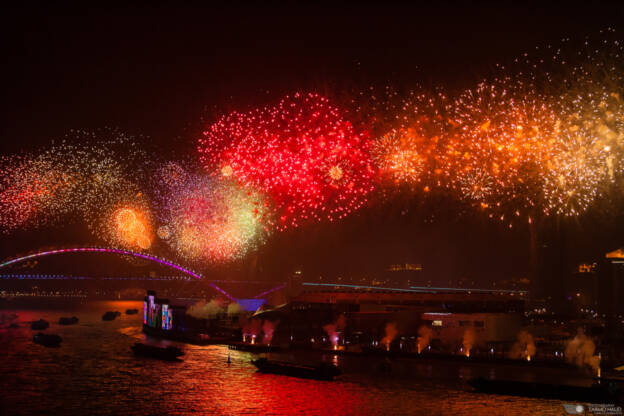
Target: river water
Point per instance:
(95, 373)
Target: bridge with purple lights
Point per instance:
(190, 274)
(106, 250)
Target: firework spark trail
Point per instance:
(506, 134)
(210, 219)
(128, 224)
(543, 136)
(584, 82)
(300, 152)
(413, 146)
(67, 180)
(547, 140)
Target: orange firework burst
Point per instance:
(414, 148)
(398, 155)
(506, 135)
(132, 228)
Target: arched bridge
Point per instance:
(105, 250)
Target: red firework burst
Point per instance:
(300, 152)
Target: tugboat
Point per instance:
(132, 311)
(322, 371)
(168, 354)
(47, 340)
(110, 316)
(40, 325)
(597, 393)
(68, 321)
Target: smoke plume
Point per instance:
(234, 308)
(424, 337)
(391, 333)
(333, 329)
(580, 351)
(268, 328)
(524, 347)
(251, 330)
(469, 340)
(203, 310)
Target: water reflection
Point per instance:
(94, 372)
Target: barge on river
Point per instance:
(598, 392)
(322, 371)
(169, 353)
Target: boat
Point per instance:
(259, 348)
(47, 340)
(598, 392)
(189, 337)
(132, 311)
(322, 371)
(68, 321)
(40, 325)
(110, 315)
(169, 353)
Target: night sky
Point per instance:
(164, 72)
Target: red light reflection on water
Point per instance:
(94, 372)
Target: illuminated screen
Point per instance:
(166, 317)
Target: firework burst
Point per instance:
(506, 133)
(584, 83)
(211, 219)
(65, 181)
(301, 153)
(128, 225)
(413, 150)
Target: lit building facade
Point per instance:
(157, 313)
